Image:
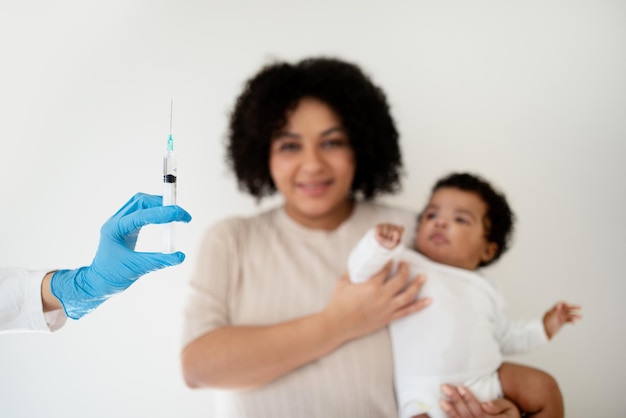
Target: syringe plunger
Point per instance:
(169, 193)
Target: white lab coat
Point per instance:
(21, 308)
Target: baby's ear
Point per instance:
(491, 248)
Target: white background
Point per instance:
(530, 94)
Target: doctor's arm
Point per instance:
(49, 302)
(114, 268)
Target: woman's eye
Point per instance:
(288, 146)
(334, 143)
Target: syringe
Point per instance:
(169, 181)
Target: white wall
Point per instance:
(530, 94)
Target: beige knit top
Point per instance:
(268, 269)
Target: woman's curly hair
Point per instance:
(261, 111)
(499, 218)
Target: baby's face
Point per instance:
(452, 229)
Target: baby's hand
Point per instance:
(559, 315)
(389, 235)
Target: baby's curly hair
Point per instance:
(261, 111)
(499, 218)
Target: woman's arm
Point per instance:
(245, 357)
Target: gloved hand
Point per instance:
(116, 265)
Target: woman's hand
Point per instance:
(461, 403)
(359, 309)
(246, 357)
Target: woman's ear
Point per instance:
(490, 250)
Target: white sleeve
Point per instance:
(517, 336)
(21, 307)
(369, 257)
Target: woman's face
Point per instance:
(312, 165)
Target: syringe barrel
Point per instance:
(169, 197)
(169, 194)
(169, 178)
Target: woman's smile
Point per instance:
(312, 165)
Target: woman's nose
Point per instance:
(312, 159)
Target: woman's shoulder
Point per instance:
(382, 212)
(237, 224)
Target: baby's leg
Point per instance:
(534, 391)
(389, 235)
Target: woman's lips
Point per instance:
(314, 188)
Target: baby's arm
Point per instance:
(535, 392)
(374, 250)
(559, 315)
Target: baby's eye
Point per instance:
(461, 220)
(430, 215)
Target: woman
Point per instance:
(268, 318)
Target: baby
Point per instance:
(461, 337)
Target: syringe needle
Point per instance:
(171, 114)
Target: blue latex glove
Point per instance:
(116, 265)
